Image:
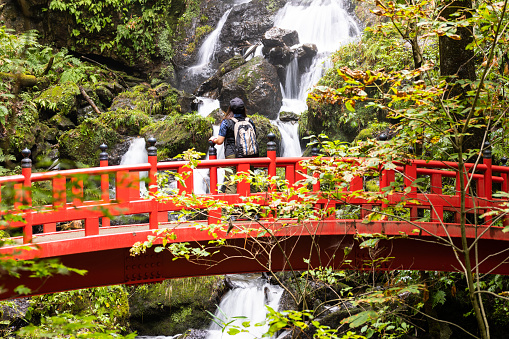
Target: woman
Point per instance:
(235, 114)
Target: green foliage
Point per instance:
(71, 326)
(108, 305)
(129, 28)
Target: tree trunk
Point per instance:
(457, 61)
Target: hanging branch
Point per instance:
(89, 100)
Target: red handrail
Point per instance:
(128, 200)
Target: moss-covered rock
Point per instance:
(82, 143)
(106, 91)
(263, 128)
(257, 83)
(59, 98)
(174, 306)
(61, 122)
(162, 100)
(126, 122)
(178, 133)
(372, 131)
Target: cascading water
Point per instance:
(201, 178)
(325, 23)
(248, 299)
(137, 154)
(207, 49)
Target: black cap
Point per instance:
(236, 104)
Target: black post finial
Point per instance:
(486, 152)
(151, 150)
(271, 145)
(503, 160)
(26, 162)
(212, 148)
(103, 155)
(382, 136)
(411, 150)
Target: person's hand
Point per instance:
(212, 139)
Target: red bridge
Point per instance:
(104, 250)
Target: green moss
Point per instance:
(82, 143)
(59, 98)
(372, 130)
(163, 99)
(249, 75)
(232, 64)
(202, 30)
(124, 121)
(179, 133)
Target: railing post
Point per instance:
(26, 171)
(505, 188)
(271, 154)
(488, 180)
(385, 175)
(314, 153)
(152, 181)
(105, 181)
(213, 169)
(410, 175)
(214, 215)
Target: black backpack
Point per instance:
(245, 139)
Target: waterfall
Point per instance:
(326, 24)
(248, 299)
(201, 177)
(207, 49)
(137, 154)
(291, 88)
(289, 138)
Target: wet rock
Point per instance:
(244, 27)
(280, 56)
(84, 113)
(278, 37)
(105, 94)
(289, 117)
(62, 122)
(277, 43)
(212, 85)
(257, 83)
(305, 54)
(194, 334)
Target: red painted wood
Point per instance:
(94, 244)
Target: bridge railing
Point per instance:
(69, 201)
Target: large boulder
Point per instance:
(277, 37)
(244, 27)
(212, 85)
(178, 133)
(257, 83)
(276, 45)
(82, 144)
